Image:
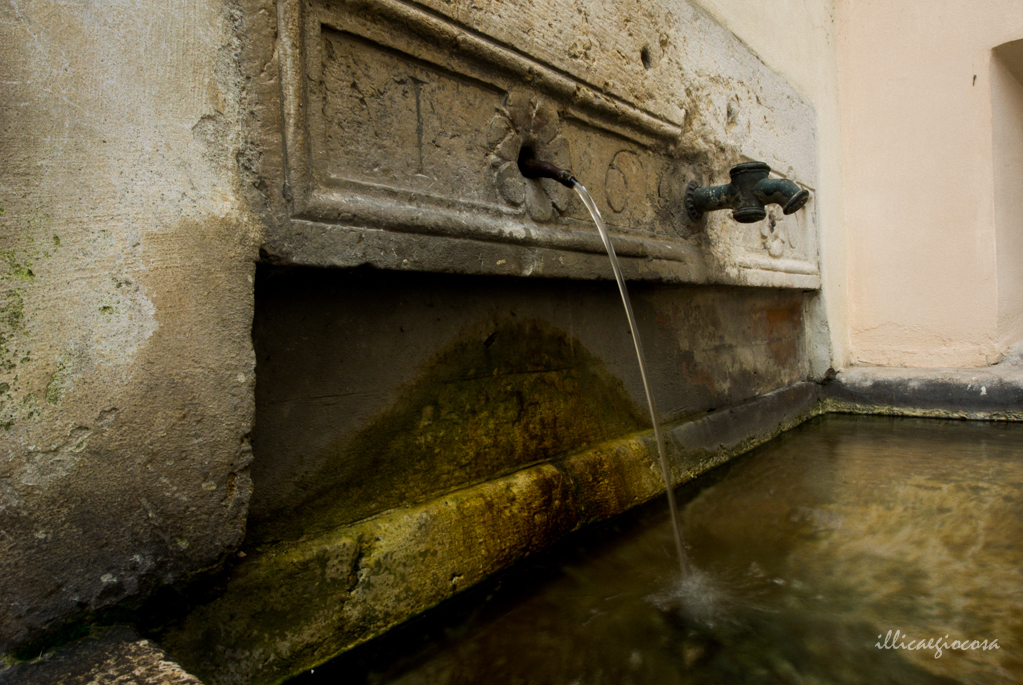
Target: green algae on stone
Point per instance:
(298, 604)
(12, 322)
(59, 382)
(294, 604)
(481, 408)
(17, 277)
(19, 269)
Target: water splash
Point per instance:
(665, 471)
(697, 597)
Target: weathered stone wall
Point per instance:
(797, 40)
(380, 389)
(402, 125)
(126, 272)
(152, 153)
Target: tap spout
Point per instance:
(531, 167)
(747, 194)
(782, 192)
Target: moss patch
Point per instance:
(12, 322)
(293, 605)
(19, 254)
(299, 604)
(59, 382)
(491, 403)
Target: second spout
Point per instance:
(747, 194)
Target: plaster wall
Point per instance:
(926, 272)
(126, 276)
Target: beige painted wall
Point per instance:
(919, 202)
(797, 39)
(926, 266)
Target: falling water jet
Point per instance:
(531, 167)
(665, 471)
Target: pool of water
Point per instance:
(810, 553)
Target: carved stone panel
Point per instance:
(403, 129)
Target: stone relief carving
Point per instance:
(772, 233)
(624, 181)
(401, 122)
(525, 121)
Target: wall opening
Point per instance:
(1007, 150)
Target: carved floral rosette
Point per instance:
(533, 122)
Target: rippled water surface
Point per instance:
(807, 550)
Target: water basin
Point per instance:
(812, 551)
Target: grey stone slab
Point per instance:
(403, 124)
(993, 392)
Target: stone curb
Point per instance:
(301, 603)
(989, 393)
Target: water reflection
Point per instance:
(809, 549)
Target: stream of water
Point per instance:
(584, 195)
